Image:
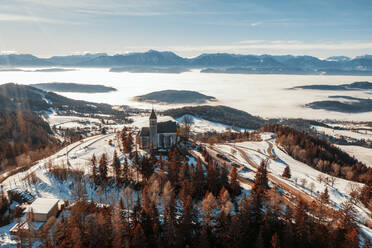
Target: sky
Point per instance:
(319, 28)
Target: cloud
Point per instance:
(17, 18)
(26, 18)
(123, 8)
(299, 45)
(148, 13)
(256, 24)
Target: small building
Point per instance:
(43, 208)
(160, 135)
(37, 214)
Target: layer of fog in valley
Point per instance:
(264, 95)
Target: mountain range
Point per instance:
(274, 63)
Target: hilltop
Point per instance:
(73, 87)
(220, 114)
(175, 97)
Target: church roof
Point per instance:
(167, 127)
(153, 115)
(162, 127)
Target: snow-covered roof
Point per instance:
(43, 205)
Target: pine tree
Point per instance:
(93, 163)
(61, 234)
(128, 143)
(170, 222)
(125, 171)
(187, 222)
(103, 168)
(117, 167)
(261, 177)
(324, 197)
(235, 186)
(300, 217)
(287, 172)
(259, 192)
(199, 181)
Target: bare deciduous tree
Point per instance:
(303, 182)
(186, 127)
(312, 186)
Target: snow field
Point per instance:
(367, 135)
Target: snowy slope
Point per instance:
(258, 151)
(363, 154)
(78, 154)
(200, 125)
(58, 120)
(74, 156)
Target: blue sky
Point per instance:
(315, 27)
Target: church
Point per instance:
(160, 135)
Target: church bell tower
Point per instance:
(153, 130)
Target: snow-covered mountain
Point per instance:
(267, 63)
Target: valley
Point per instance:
(95, 158)
(102, 135)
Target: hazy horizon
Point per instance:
(175, 52)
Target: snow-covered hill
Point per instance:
(363, 154)
(304, 178)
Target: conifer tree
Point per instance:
(324, 197)
(261, 177)
(93, 163)
(300, 217)
(287, 172)
(117, 167)
(235, 186)
(125, 171)
(187, 222)
(139, 238)
(259, 192)
(103, 168)
(128, 143)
